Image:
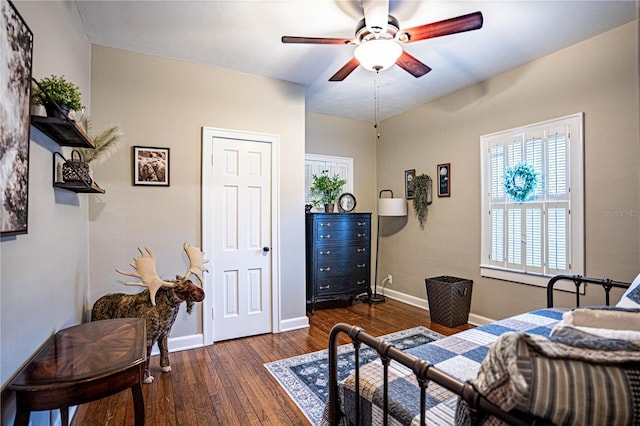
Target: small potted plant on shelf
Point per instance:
(57, 89)
(327, 188)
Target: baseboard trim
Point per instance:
(474, 319)
(294, 324)
(182, 343)
(407, 298)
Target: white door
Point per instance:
(237, 234)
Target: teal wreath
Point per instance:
(520, 182)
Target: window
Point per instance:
(315, 164)
(540, 234)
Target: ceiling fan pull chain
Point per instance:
(376, 101)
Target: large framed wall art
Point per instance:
(16, 49)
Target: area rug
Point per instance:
(306, 377)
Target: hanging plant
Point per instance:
(520, 182)
(422, 197)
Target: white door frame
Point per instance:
(208, 133)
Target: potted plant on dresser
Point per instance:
(327, 188)
(57, 95)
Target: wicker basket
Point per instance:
(449, 300)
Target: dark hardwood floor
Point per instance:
(227, 384)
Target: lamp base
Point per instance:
(378, 298)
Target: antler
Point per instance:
(145, 269)
(197, 260)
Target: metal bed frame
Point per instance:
(424, 372)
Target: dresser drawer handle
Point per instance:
(325, 236)
(362, 223)
(361, 265)
(360, 250)
(325, 269)
(325, 287)
(361, 235)
(325, 252)
(325, 224)
(360, 282)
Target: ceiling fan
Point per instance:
(379, 39)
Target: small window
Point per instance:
(532, 201)
(315, 164)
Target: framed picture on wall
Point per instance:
(408, 177)
(150, 166)
(444, 180)
(15, 73)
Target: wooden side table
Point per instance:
(81, 364)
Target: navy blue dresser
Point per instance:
(338, 256)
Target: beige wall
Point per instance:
(44, 277)
(328, 135)
(598, 77)
(165, 103)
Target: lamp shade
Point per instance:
(378, 54)
(392, 207)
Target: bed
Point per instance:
(500, 373)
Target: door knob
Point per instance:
(265, 249)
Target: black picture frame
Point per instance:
(408, 189)
(151, 166)
(15, 67)
(444, 180)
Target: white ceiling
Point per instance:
(245, 36)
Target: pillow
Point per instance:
(590, 323)
(631, 297)
(559, 383)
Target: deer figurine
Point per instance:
(158, 304)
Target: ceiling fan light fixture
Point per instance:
(378, 54)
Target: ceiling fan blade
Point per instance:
(376, 15)
(315, 40)
(345, 70)
(472, 21)
(412, 65)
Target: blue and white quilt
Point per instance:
(459, 355)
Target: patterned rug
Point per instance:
(306, 377)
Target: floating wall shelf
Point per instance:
(83, 186)
(63, 132)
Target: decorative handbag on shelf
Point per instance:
(76, 169)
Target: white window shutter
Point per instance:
(535, 157)
(496, 173)
(557, 166)
(497, 236)
(514, 151)
(514, 237)
(558, 238)
(534, 238)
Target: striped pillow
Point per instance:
(562, 384)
